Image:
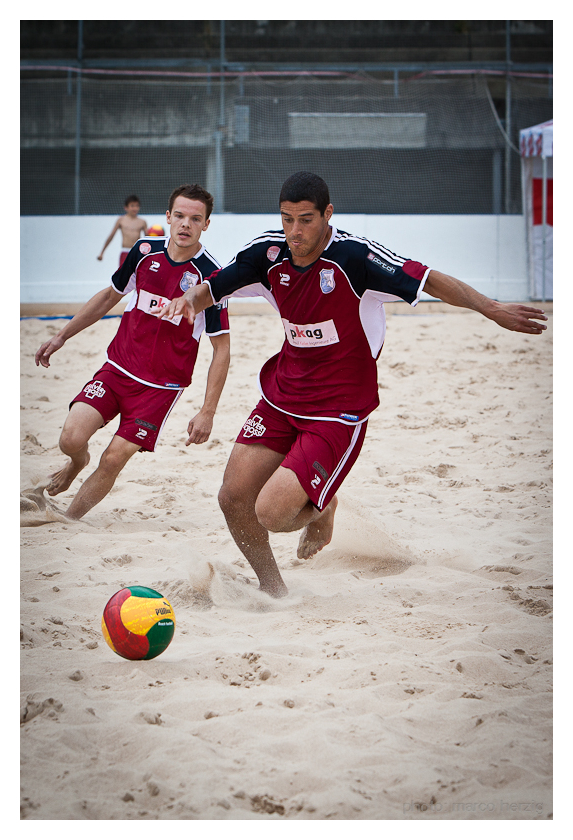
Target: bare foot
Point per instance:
(276, 589)
(61, 480)
(317, 533)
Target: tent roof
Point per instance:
(537, 141)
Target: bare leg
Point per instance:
(100, 482)
(248, 470)
(318, 532)
(81, 423)
(284, 506)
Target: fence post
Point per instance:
(78, 120)
(508, 117)
(220, 133)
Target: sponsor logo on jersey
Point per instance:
(389, 268)
(285, 279)
(145, 247)
(311, 335)
(353, 418)
(94, 389)
(188, 280)
(273, 253)
(327, 282)
(147, 301)
(254, 427)
(154, 266)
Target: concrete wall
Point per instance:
(58, 253)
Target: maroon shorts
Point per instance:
(321, 453)
(122, 255)
(143, 410)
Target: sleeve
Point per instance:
(123, 280)
(394, 277)
(217, 319)
(247, 269)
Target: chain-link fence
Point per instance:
(425, 145)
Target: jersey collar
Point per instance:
(194, 257)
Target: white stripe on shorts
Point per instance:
(177, 395)
(341, 463)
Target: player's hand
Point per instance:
(199, 428)
(178, 306)
(48, 347)
(100, 257)
(519, 318)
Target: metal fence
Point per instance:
(427, 144)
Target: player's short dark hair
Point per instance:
(306, 186)
(194, 192)
(130, 199)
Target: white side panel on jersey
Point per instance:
(199, 326)
(373, 315)
(373, 319)
(254, 290)
(131, 302)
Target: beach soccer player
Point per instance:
(150, 360)
(131, 227)
(303, 437)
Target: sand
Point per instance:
(407, 675)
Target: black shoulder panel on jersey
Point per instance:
(251, 264)
(214, 265)
(206, 264)
(350, 253)
(369, 265)
(122, 276)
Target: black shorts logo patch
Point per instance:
(146, 425)
(320, 469)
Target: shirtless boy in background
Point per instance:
(131, 226)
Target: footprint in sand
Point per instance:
(33, 707)
(36, 509)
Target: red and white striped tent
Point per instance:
(536, 149)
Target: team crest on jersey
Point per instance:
(273, 253)
(145, 247)
(327, 282)
(188, 280)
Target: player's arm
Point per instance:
(510, 316)
(194, 301)
(110, 237)
(98, 306)
(248, 267)
(201, 425)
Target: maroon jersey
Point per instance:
(333, 316)
(161, 352)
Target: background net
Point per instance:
(423, 145)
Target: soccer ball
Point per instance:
(155, 230)
(138, 623)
